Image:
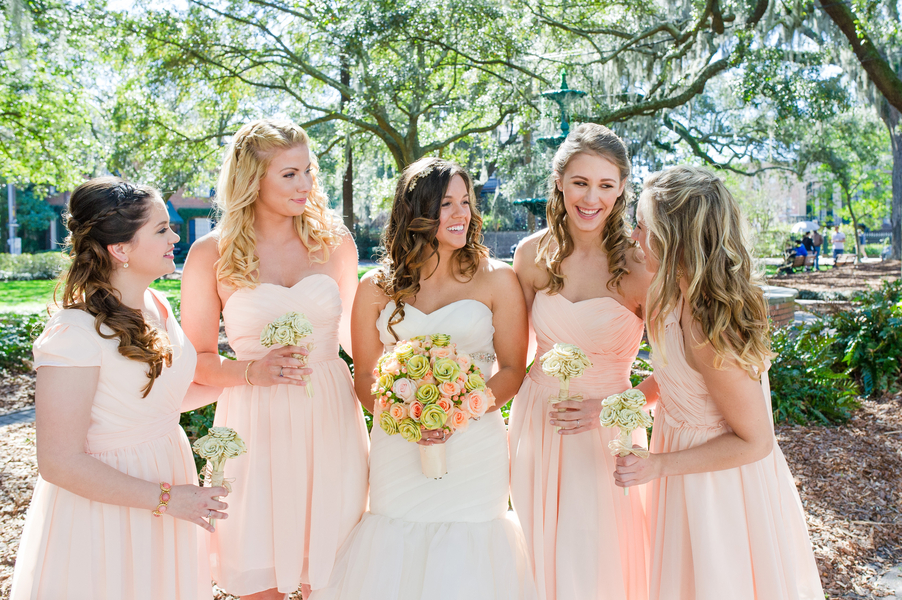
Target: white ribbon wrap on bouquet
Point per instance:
(432, 459)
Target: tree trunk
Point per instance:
(855, 236)
(347, 184)
(892, 118)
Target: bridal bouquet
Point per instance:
(425, 383)
(219, 444)
(564, 361)
(289, 330)
(624, 410)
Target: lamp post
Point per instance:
(563, 97)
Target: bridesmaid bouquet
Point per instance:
(219, 444)
(289, 330)
(624, 410)
(425, 383)
(564, 361)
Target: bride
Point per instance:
(446, 538)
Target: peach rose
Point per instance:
(404, 389)
(428, 378)
(476, 403)
(439, 352)
(448, 389)
(464, 361)
(391, 366)
(445, 404)
(459, 419)
(384, 403)
(415, 410)
(398, 411)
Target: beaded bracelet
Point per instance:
(246, 370)
(164, 499)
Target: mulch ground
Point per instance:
(849, 479)
(846, 278)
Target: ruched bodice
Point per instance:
(603, 328)
(442, 539)
(684, 400)
(301, 487)
(587, 539)
(249, 310)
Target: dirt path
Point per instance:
(853, 277)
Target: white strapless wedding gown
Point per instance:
(447, 539)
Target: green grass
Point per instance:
(34, 296)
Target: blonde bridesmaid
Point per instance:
(301, 487)
(724, 514)
(116, 511)
(585, 284)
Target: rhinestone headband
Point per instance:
(416, 178)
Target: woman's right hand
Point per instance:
(279, 367)
(197, 504)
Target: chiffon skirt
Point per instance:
(73, 548)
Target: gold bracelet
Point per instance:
(246, 369)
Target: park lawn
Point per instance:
(35, 295)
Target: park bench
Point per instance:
(844, 259)
(797, 262)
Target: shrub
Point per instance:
(804, 384)
(23, 267)
(869, 337)
(17, 334)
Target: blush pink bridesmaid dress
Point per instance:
(586, 538)
(302, 486)
(738, 533)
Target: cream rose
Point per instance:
(234, 448)
(209, 447)
(632, 398)
(608, 416)
(565, 361)
(283, 336)
(440, 352)
(405, 389)
(223, 433)
(614, 401)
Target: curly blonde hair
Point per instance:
(246, 161)
(410, 235)
(695, 226)
(101, 212)
(556, 243)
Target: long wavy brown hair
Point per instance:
(246, 161)
(410, 236)
(556, 243)
(695, 226)
(101, 212)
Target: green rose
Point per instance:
(388, 423)
(441, 339)
(428, 393)
(403, 351)
(433, 417)
(475, 382)
(410, 430)
(445, 369)
(417, 366)
(384, 383)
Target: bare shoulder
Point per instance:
(525, 265)
(498, 276)
(204, 252)
(346, 245)
(369, 289)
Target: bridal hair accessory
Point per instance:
(425, 384)
(416, 178)
(624, 410)
(564, 361)
(289, 330)
(220, 444)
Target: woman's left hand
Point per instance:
(575, 416)
(631, 470)
(434, 436)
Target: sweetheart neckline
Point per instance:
(617, 302)
(300, 281)
(429, 314)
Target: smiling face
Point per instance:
(591, 185)
(454, 218)
(642, 235)
(287, 182)
(150, 251)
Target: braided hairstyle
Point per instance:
(101, 212)
(409, 238)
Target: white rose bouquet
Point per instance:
(219, 444)
(624, 410)
(564, 361)
(289, 330)
(425, 383)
